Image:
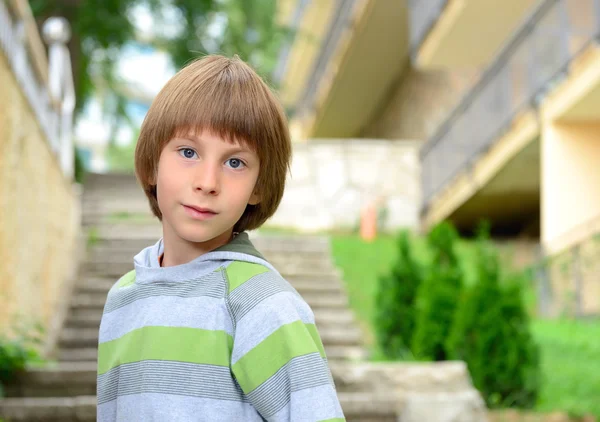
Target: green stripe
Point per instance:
(180, 344)
(239, 272)
(263, 361)
(127, 279)
(312, 329)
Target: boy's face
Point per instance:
(203, 186)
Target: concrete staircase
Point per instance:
(116, 216)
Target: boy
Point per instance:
(204, 328)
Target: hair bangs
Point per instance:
(231, 103)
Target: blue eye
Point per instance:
(187, 153)
(235, 163)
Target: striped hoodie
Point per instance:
(221, 338)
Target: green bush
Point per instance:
(491, 334)
(438, 295)
(79, 170)
(17, 351)
(395, 302)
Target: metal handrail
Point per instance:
(521, 74)
(423, 15)
(343, 19)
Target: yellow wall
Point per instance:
(39, 214)
(570, 179)
(471, 32)
(307, 44)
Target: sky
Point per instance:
(139, 66)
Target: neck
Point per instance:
(179, 251)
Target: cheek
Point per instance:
(165, 181)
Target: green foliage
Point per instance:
(395, 302)
(93, 237)
(102, 27)
(79, 167)
(438, 295)
(121, 158)
(18, 350)
(491, 334)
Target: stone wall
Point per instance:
(39, 215)
(333, 180)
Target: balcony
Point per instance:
(502, 106)
(462, 33)
(361, 57)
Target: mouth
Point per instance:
(199, 213)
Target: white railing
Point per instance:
(48, 86)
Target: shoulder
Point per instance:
(249, 277)
(123, 282)
(126, 280)
(252, 285)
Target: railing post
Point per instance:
(57, 34)
(597, 16)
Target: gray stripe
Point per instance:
(300, 373)
(168, 377)
(255, 290)
(151, 407)
(312, 404)
(205, 313)
(211, 285)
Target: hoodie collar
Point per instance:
(240, 248)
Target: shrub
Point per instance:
(438, 295)
(17, 352)
(395, 302)
(491, 334)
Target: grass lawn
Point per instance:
(570, 349)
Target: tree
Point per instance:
(491, 334)
(438, 295)
(100, 28)
(395, 310)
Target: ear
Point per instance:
(254, 199)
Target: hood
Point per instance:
(239, 249)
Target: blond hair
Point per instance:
(226, 96)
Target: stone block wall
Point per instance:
(39, 214)
(333, 180)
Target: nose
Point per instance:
(207, 178)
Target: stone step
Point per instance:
(67, 379)
(49, 409)
(110, 179)
(317, 300)
(330, 285)
(127, 250)
(370, 406)
(335, 336)
(334, 353)
(89, 354)
(137, 237)
(281, 261)
(116, 269)
(357, 407)
(334, 318)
